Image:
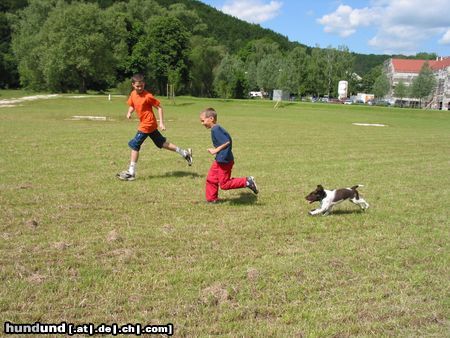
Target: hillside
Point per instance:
(197, 63)
(235, 33)
(363, 63)
(230, 31)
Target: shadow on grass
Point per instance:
(285, 104)
(178, 173)
(346, 212)
(244, 198)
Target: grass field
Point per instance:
(80, 246)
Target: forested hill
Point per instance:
(230, 31)
(198, 50)
(235, 34)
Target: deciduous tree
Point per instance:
(316, 79)
(27, 39)
(205, 55)
(424, 84)
(229, 81)
(401, 91)
(268, 72)
(381, 86)
(75, 48)
(63, 46)
(163, 49)
(294, 71)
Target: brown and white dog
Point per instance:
(329, 198)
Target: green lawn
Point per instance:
(80, 246)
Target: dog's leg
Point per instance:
(327, 209)
(320, 210)
(315, 211)
(365, 204)
(324, 210)
(360, 202)
(327, 212)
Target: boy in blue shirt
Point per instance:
(219, 174)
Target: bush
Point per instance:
(124, 87)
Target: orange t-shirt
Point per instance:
(143, 105)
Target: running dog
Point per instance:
(329, 198)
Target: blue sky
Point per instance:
(365, 26)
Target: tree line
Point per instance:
(62, 46)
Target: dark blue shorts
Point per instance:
(140, 137)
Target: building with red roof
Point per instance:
(406, 70)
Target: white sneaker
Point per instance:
(125, 176)
(251, 184)
(188, 156)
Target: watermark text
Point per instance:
(87, 329)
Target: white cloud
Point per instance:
(255, 11)
(345, 20)
(445, 40)
(400, 25)
(418, 13)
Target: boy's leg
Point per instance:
(225, 180)
(133, 162)
(185, 153)
(212, 183)
(161, 142)
(135, 145)
(130, 174)
(251, 184)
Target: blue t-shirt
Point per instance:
(220, 136)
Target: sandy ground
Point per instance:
(7, 103)
(14, 102)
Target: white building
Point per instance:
(407, 70)
(441, 99)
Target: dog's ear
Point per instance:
(319, 187)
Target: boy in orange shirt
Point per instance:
(143, 102)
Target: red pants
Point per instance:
(219, 175)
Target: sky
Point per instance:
(365, 26)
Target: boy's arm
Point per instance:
(130, 111)
(214, 151)
(161, 118)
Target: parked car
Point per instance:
(378, 102)
(348, 101)
(334, 101)
(256, 94)
(383, 103)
